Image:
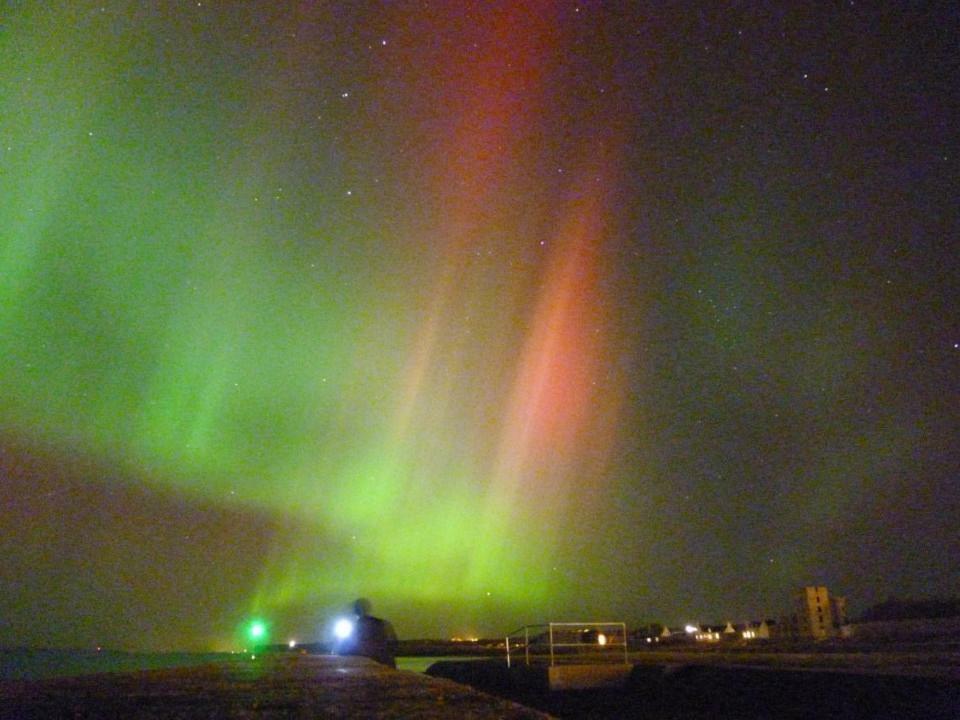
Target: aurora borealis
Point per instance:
(493, 313)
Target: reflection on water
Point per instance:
(420, 664)
(25, 664)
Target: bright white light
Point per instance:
(691, 628)
(601, 639)
(292, 644)
(343, 629)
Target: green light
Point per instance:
(377, 448)
(258, 631)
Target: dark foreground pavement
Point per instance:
(278, 686)
(704, 692)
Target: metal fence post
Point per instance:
(551, 644)
(623, 628)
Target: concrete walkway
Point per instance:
(273, 686)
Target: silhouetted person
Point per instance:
(372, 637)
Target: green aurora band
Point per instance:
(191, 292)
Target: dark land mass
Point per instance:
(695, 692)
(273, 686)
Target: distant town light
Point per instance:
(292, 644)
(691, 628)
(601, 639)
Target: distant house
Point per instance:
(708, 633)
(674, 635)
(757, 630)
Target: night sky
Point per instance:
(493, 313)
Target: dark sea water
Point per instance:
(32, 664)
(29, 664)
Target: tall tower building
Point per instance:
(838, 608)
(815, 613)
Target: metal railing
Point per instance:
(568, 643)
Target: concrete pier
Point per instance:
(271, 686)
